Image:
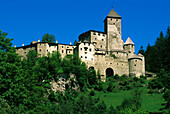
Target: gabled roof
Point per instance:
(129, 41)
(113, 14)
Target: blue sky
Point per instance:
(27, 20)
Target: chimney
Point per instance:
(38, 40)
(70, 43)
(23, 44)
(56, 41)
(15, 46)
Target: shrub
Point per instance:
(92, 93)
(116, 77)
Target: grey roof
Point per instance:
(85, 41)
(129, 41)
(134, 56)
(113, 14)
(140, 55)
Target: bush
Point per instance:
(92, 93)
(116, 77)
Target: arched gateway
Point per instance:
(109, 72)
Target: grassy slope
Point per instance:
(150, 102)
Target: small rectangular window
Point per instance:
(62, 51)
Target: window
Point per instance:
(85, 52)
(103, 35)
(85, 57)
(129, 51)
(116, 19)
(67, 47)
(117, 63)
(81, 56)
(114, 23)
(80, 48)
(95, 38)
(102, 39)
(134, 64)
(61, 46)
(62, 51)
(40, 50)
(69, 51)
(110, 63)
(92, 59)
(94, 33)
(44, 45)
(25, 52)
(53, 51)
(85, 48)
(117, 52)
(111, 19)
(98, 34)
(47, 50)
(101, 46)
(135, 60)
(90, 49)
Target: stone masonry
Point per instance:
(104, 51)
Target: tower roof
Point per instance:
(129, 41)
(113, 14)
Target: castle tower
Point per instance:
(112, 25)
(129, 47)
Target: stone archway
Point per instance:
(109, 72)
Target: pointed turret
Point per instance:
(113, 14)
(129, 41)
(129, 47)
(112, 28)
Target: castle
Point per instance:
(104, 51)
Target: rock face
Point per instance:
(104, 51)
(64, 82)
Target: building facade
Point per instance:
(104, 51)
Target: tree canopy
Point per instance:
(50, 38)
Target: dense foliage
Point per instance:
(50, 38)
(25, 83)
(158, 56)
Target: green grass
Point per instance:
(150, 102)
